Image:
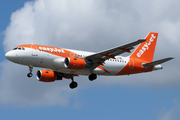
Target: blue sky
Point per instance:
(146, 96)
(104, 103)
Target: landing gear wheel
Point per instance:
(73, 85)
(29, 75)
(30, 69)
(92, 77)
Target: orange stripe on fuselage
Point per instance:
(51, 50)
(103, 69)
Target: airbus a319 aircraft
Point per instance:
(66, 63)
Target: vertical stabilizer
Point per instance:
(145, 51)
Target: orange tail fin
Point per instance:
(145, 51)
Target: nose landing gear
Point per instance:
(30, 69)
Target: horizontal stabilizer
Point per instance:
(156, 62)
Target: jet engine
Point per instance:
(47, 76)
(74, 63)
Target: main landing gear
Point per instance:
(92, 77)
(30, 69)
(73, 84)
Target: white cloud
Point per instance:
(19, 91)
(92, 25)
(171, 114)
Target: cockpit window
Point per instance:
(14, 48)
(19, 48)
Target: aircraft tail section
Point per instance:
(145, 51)
(147, 65)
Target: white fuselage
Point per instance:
(54, 62)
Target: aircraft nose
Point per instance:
(9, 55)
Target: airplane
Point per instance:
(62, 63)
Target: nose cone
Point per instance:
(9, 55)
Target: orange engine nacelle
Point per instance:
(74, 63)
(46, 76)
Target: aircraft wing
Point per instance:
(111, 53)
